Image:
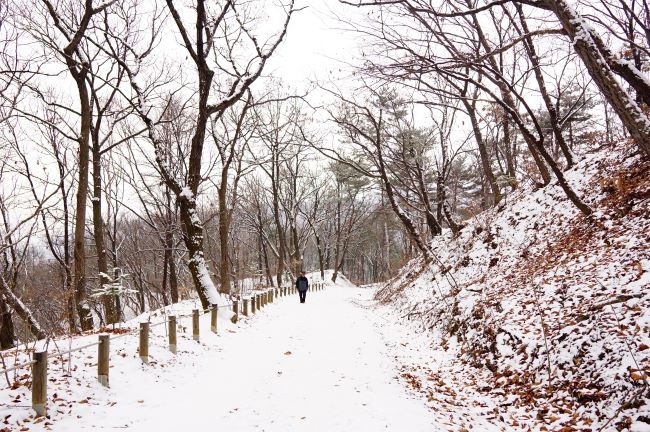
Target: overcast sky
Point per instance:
(316, 46)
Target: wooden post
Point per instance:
(235, 309)
(213, 318)
(172, 334)
(103, 350)
(39, 383)
(271, 295)
(258, 300)
(195, 325)
(144, 342)
(253, 304)
(245, 311)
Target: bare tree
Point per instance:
(223, 36)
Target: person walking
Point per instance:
(302, 284)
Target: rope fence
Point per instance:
(246, 306)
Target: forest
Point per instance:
(149, 154)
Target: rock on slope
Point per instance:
(540, 317)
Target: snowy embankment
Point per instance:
(535, 317)
(318, 366)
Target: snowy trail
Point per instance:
(318, 366)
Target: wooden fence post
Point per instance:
(39, 383)
(195, 325)
(144, 342)
(258, 300)
(253, 304)
(245, 311)
(172, 334)
(235, 309)
(103, 353)
(271, 295)
(213, 318)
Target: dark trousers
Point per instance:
(303, 295)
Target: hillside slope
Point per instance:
(535, 315)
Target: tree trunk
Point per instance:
(321, 258)
(455, 228)
(80, 288)
(169, 248)
(173, 278)
(483, 153)
(224, 231)
(510, 159)
(7, 333)
(193, 238)
(265, 255)
(98, 229)
(278, 223)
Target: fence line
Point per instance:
(258, 300)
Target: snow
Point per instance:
(326, 365)
(532, 286)
(186, 193)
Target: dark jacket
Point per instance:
(302, 283)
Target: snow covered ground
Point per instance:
(326, 365)
(535, 317)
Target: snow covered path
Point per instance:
(318, 366)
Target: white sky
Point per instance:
(316, 46)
